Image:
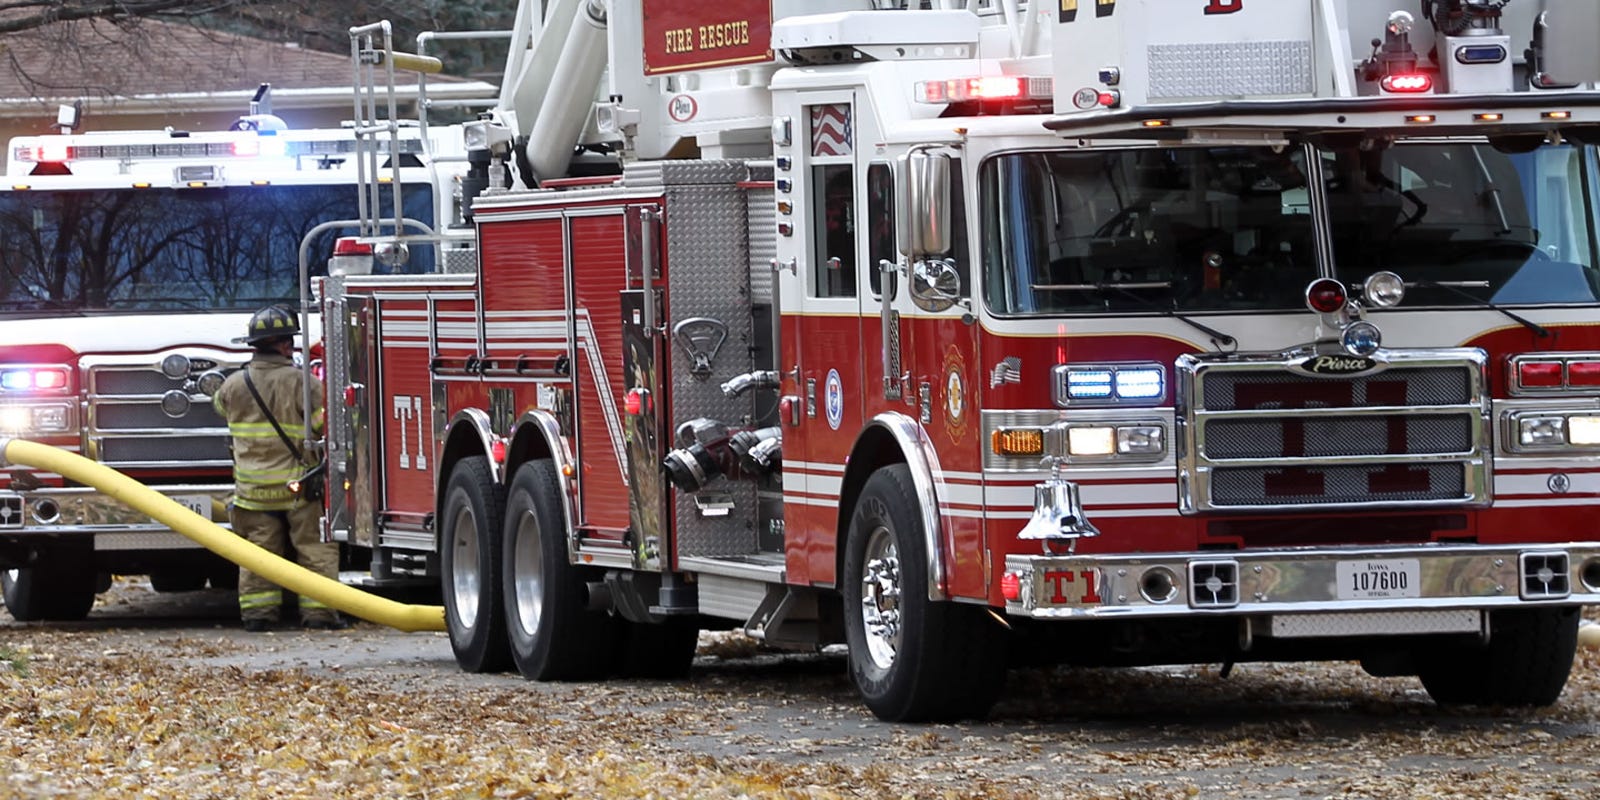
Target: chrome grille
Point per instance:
(132, 382)
(1254, 390)
(1261, 433)
(126, 426)
(133, 416)
(1339, 436)
(1295, 486)
(187, 449)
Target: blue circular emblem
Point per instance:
(833, 399)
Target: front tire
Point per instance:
(554, 635)
(57, 588)
(1525, 663)
(469, 567)
(912, 659)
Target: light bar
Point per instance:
(1554, 373)
(239, 147)
(992, 87)
(33, 379)
(1110, 384)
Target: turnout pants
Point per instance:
(292, 534)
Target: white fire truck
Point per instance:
(1113, 332)
(129, 261)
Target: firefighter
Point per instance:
(263, 406)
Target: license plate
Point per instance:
(198, 503)
(1379, 579)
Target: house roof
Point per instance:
(148, 64)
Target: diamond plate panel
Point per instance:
(1230, 69)
(684, 173)
(461, 261)
(1376, 623)
(761, 209)
(709, 266)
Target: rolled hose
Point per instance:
(221, 541)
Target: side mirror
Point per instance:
(923, 209)
(935, 285)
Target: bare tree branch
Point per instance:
(22, 15)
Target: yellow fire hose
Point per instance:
(223, 542)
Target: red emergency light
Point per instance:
(1326, 296)
(351, 246)
(1540, 374)
(1407, 84)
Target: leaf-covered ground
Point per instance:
(202, 710)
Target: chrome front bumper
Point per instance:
(115, 526)
(1294, 582)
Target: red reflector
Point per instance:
(1010, 586)
(350, 396)
(1326, 296)
(497, 451)
(632, 403)
(1583, 373)
(351, 246)
(1540, 374)
(1407, 84)
(1110, 99)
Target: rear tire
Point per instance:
(1525, 663)
(59, 587)
(469, 567)
(553, 633)
(912, 659)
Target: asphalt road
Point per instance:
(1289, 731)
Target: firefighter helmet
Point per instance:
(272, 322)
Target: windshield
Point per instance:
(1185, 229)
(1465, 223)
(1230, 228)
(213, 249)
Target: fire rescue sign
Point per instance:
(682, 36)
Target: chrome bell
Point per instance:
(1058, 521)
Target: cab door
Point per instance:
(825, 369)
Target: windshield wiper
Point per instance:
(1218, 338)
(1460, 288)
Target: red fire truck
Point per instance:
(129, 261)
(998, 331)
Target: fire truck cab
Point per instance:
(130, 261)
(993, 332)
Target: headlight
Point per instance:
(1583, 431)
(35, 419)
(1091, 441)
(1542, 431)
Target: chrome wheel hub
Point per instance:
(465, 581)
(880, 597)
(528, 571)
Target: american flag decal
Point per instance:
(831, 133)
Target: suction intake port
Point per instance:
(702, 455)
